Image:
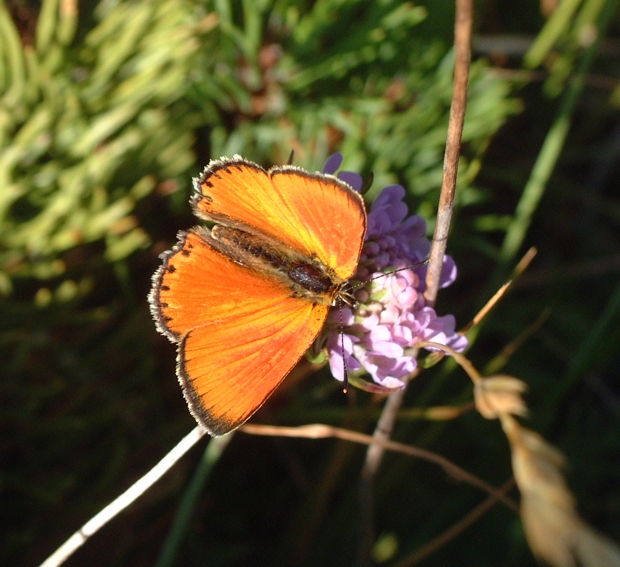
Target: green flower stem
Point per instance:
(210, 458)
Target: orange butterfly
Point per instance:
(245, 300)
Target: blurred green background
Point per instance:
(107, 110)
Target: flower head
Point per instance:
(391, 316)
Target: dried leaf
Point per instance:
(554, 530)
(497, 395)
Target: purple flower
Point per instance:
(391, 316)
(334, 162)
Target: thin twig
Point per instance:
(486, 309)
(462, 54)
(321, 431)
(179, 528)
(461, 359)
(128, 497)
(384, 428)
(519, 269)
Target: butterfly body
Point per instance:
(245, 299)
(307, 277)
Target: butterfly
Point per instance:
(245, 299)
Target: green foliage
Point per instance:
(106, 112)
(570, 30)
(344, 75)
(88, 128)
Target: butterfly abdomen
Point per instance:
(306, 277)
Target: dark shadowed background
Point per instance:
(108, 109)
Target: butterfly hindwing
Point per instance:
(239, 332)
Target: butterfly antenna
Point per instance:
(390, 272)
(290, 158)
(345, 379)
